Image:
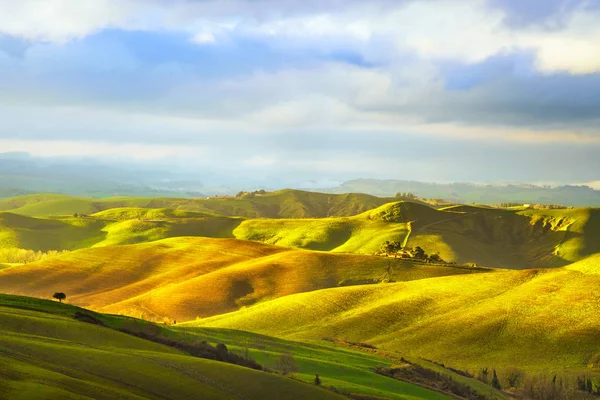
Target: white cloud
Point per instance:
(203, 38)
(468, 30)
(63, 20)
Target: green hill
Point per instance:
(184, 278)
(33, 329)
(514, 239)
(542, 320)
(363, 234)
(280, 204)
(48, 354)
(511, 238)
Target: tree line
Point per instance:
(396, 249)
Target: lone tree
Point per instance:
(60, 296)
(496, 381)
(317, 380)
(222, 352)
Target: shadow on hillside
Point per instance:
(499, 238)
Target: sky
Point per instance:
(320, 91)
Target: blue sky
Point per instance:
(468, 90)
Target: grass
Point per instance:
(187, 277)
(46, 352)
(542, 320)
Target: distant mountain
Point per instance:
(23, 174)
(570, 195)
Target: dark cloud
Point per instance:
(551, 14)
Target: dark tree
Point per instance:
(496, 381)
(419, 252)
(222, 352)
(514, 377)
(436, 258)
(391, 247)
(60, 296)
(483, 375)
(317, 380)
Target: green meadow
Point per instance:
(47, 352)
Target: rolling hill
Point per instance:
(187, 277)
(280, 204)
(500, 238)
(541, 319)
(83, 368)
(48, 354)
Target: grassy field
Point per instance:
(188, 277)
(544, 320)
(46, 353)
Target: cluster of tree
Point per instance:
(405, 196)
(77, 215)
(393, 248)
(23, 256)
(251, 194)
(536, 206)
(485, 378)
(541, 387)
(419, 375)
(220, 352)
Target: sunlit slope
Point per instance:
(280, 204)
(112, 227)
(182, 278)
(47, 355)
(127, 213)
(546, 319)
(130, 231)
(493, 237)
(48, 234)
(363, 234)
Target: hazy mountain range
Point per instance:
(21, 173)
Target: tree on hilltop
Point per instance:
(60, 296)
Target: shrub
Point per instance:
(286, 364)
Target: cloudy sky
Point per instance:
(461, 90)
